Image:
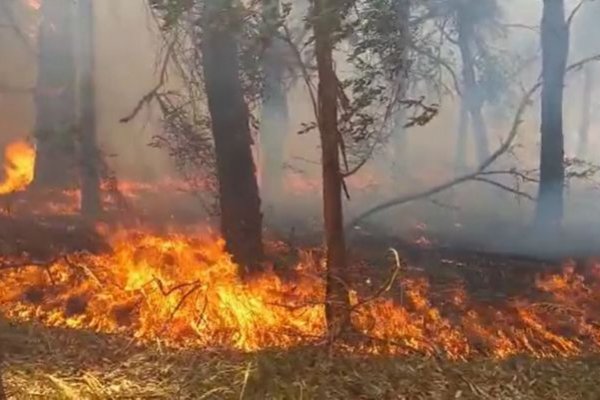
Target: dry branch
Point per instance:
(482, 169)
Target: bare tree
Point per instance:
(472, 97)
(555, 48)
(89, 155)
(55, 96)
(586, 110)
(241, 219)
(274, 124)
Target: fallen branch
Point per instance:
(504, 147)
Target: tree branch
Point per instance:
(504, 147)
(151, 95)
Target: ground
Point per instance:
(46, 363)
(480, 326)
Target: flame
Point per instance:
(18, 167)
(184, 290)
(34, 4)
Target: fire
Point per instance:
(184, 290)
(18, 167)
(34, 4)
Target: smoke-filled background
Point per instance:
(472, 214)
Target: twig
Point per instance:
(385, 287)
(505, 187)
(180, 303)
(12, 23)
(575, 11)
(84, 268)
(148, 97)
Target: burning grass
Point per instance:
(166, 315)
(184, 291)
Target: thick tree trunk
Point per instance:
(555, 48)
(472, 93)
(275, 116)
(89, 155)
(586, 111)
(337, 308)
(241, 220)
(55, 97)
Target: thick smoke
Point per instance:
(472, 215)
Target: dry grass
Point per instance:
(65, 364)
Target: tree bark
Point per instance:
(586, 111)
(555, 48)
(275, 114)
(337, 306)
(472, 92)
(241, 219)
(55, 97)
(89, 154)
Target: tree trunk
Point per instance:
(472, 92)
(555, 48)
(275, 116)
(461, 142)
(241, 220)
(55, 97)
(89, 155)
(399, 142)
(586, 111)
(337, 307)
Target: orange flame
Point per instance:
(18, 167)
(34, 4)
(184, 290)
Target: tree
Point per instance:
(241, 219)
(55, 97)
(589, 81)
(585, 30)
(274, 122)
(473, 98)
(555, 49)
(89, 155)
(326, 21)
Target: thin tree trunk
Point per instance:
(400, 133)
(275, 115)
(89, 155)
(555, 48)
(461, 142)
(55, 97)
(241, 219)
(472, 95)
(586, 111)
(337, 308)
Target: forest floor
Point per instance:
(44, 363)
(63, 363)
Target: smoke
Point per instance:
(472, 215)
